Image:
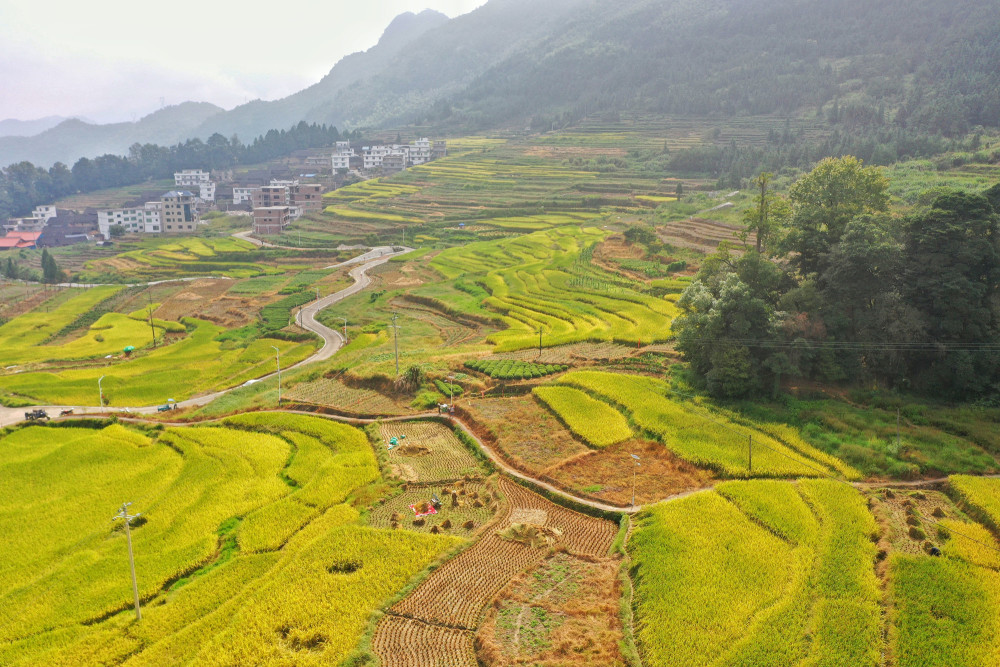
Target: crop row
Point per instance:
(405, 642)
(325, 391)
(510, 369)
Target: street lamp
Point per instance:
(636, 462)
(277, 360)
(101, 389)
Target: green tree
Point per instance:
(50, 270)
(719, 331)
(768, 215)
(825, 200)
(952, 278)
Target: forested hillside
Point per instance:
(900, 65)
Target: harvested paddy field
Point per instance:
(562, 612)
(425, 451)
(456, 594)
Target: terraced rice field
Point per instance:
(408, 642)
(194, 364)
(475, 502)
(430, 452)
(568, 354)
(708, 438)
(537, 281)
(702, 235)
(769, 572)
(946, 606)
(156, 259)
(227, 571)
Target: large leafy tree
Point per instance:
(825, 200)
(720, 332)
(952, 279)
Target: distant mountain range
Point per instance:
(917, 64)
(12, 127)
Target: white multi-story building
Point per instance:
(420, 151)
(191, 177)
(145, 220)
(243, 195)
(46, 212)
(340, 161)
(343, 147)
(206, 191)
(373, 156)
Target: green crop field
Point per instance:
(711, 439)
(760, 572)
(197, 363)
(159, 258)
(245, 551)
(540, 281)
(595, 422)
(946, 607)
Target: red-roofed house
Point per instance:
(17, 240)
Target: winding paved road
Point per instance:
(332, 340)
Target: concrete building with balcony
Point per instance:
(179, 213)
(395, 161)
(206, 191)
(136, 220)
(270, 219)
(267, 196)
(243, 195)
(191, 178)
(44, 213)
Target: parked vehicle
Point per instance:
(36, 415)
(165, 408)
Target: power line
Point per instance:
(925, 346)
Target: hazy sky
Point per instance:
(111, 60)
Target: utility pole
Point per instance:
(152, 329)
(539, 332)
(101, 389)
(750, 455)
(451, 389)
(897, 428)
(317, 294)
(636, 462)
(345, 328)
(277, 360)
(123, 514)
(395, 340)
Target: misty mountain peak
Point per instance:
(408, 26)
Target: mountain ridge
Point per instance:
(904, 64)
